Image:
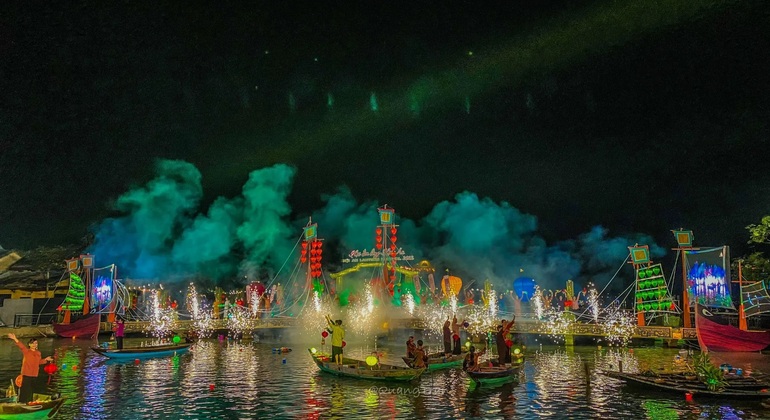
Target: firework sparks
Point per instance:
(410, 303)
(537, 298)
(618, 326)
(162, 321)
(593, 304)
(556, 324)
(201, 315)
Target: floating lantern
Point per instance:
(687, 396)
(371, 360)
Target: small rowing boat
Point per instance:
(490, 375)
(143, 352)
(354, 368)
(437, 361)
(44, 407)
(742, 387)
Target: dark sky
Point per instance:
(639, 118)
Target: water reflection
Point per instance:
(217, 380)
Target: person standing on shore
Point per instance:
(30, 367)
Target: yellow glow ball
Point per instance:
(384, 325)
(517, 351)
(313, 350)
(371, 360)
(467, 344)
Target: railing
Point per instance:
(28, 320)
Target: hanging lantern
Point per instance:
(379, 231)
(378, 246)
(392, 247)
(393, 230)
(392, 255)
(324, 334)
(393, 239)
(304, 244)
(303, 260)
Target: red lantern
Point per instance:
(302, 260)
(392, 278)
(392, 247)
(508, 342)
(393, 239)
(324, 334)
(379, 231)
(378, 238)
(393, 230)
(304, 244)
(379, 246)
(392, 255)
(50, 368)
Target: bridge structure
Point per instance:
(523, 325)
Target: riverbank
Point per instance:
(37, 331)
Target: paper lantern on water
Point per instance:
(324, 334)
(177, 339)
(371, 360)
(524, 288)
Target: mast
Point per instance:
(684, 240)
(742, 324)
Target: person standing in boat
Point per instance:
(447, 338)
(338, 335)
(456, 336)
(120, 329)
(502, 347)
(30, 367)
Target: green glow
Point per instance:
(559, 43)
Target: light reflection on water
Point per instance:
(250, 381)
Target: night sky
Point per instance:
(554, 130)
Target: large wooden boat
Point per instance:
(716, 334)
(737, 387)
(85, 327)
(355, 368)
(44, 409)
(143, 352)
(437, 361)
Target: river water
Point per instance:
(221, 380)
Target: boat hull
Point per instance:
(668, 383)
(438, 363)
(142, 352)
(494, 375)
(42, 410)
(714, 334)
(353, 368)
(85, 327)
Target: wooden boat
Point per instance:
(438, 361)
(86, 327)
(355, 368)
(716, 334)
(43, 408)
(737, 387)
(143, 352)
(489, 375)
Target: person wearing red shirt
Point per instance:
(30, 367)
